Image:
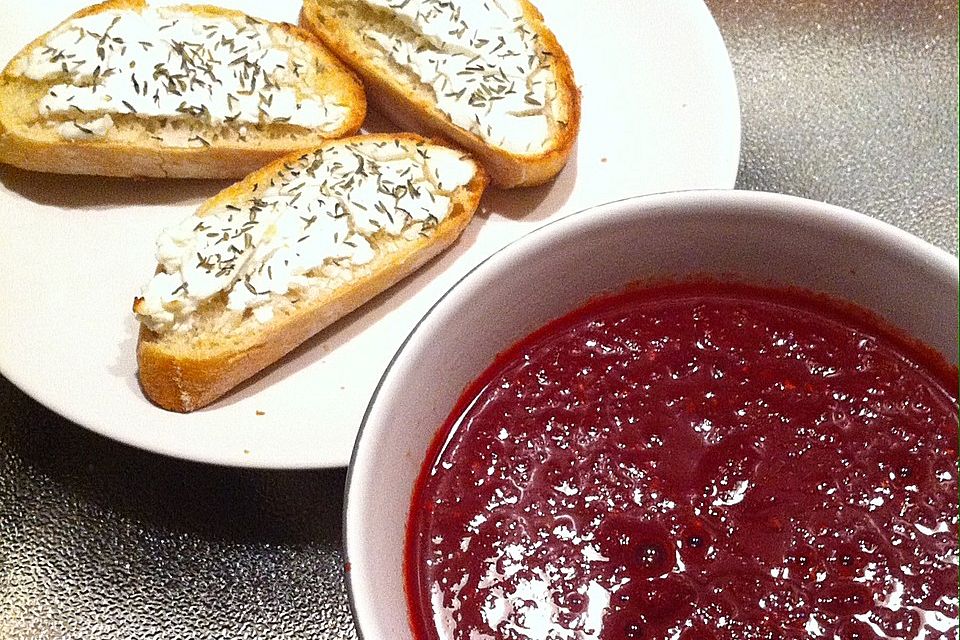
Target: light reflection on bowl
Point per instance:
(758, 237)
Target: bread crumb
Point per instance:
(261, 413)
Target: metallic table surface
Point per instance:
(854, 103)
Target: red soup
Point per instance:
(694, 461)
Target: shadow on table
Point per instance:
(176, 497)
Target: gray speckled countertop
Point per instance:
(854, 103)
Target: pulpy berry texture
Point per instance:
(695, 461)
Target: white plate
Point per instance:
(660, 113)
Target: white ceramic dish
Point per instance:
(660, 113)
(759, 237)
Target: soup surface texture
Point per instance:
(694, 461)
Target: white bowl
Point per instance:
(758, 237)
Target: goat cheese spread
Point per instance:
(167, 63)
(329, 211)
(482, 61)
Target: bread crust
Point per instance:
(183, 379)
(47, 152)
(389, 95)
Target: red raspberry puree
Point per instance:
(694, 461)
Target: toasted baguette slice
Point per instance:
(489, 76)
(123, 89)
(272, 260)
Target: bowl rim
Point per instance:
(786, 203)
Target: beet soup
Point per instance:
(694, 461)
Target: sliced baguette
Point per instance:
(191, 352)
(486, 76)
(173, 114)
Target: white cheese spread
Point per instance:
(98, 128)
(172, 64)
(314, 220)
(483, 63)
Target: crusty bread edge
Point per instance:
(183, 384)
(111, 158)
(388, 95)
